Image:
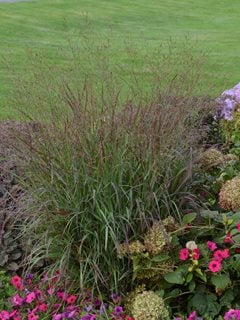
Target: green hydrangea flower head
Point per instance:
(148, 306)
(132, 248)
(229, 195)
(154, 239)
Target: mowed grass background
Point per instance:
(212, 26)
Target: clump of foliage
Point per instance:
(204, 276)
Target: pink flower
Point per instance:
(211, 245)
(57, 316)
(218, 255)
(238, 226)
(196, 254)
(4, 315)
(225, 253)
(214, 266)
(16, 281)
(30, 297)
(71, 299)
(42, 307)
(62, 295)
(32, 316)
(183, 254)
(192, 316)
(16, 300)
(228, 238)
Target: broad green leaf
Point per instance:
(221, 281)
(174, 277)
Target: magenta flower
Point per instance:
(196, 254)
(192, 316)
(4, 315)
(30, 297)
(117, 310)
(32, 316)
(228, 238)
(214, 266)
(17, 301)
(218, 255)
(57, 316)
(211, 245)
(71, 299)
(183, 254)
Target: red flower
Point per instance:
(237, 250)
(214, 265)
(183, 254)
(196, 254)
(71, 299)
(228, 238)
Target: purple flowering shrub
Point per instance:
(228, 112)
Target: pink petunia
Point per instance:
(184, 254)
(225, 253)
(196, 254)
(32, 316)
(214, 266)
(57, 316)
(4, 315)
(238, 226)
(16, 282)
(218, 255)
(16, 300)
(30, 297)
(211, 245)
(71, 299)
(192, 316)
(228, 238)
(42, 307)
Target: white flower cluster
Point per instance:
(227, 103)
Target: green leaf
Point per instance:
(188, 218)
(174, 293)
(192, 286)
(227, 298)
(189, 277)
(160, 258)
(174, 277)
(221, 281)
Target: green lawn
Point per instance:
(47, 24)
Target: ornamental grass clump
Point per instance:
(109, 159)
(229, 195)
